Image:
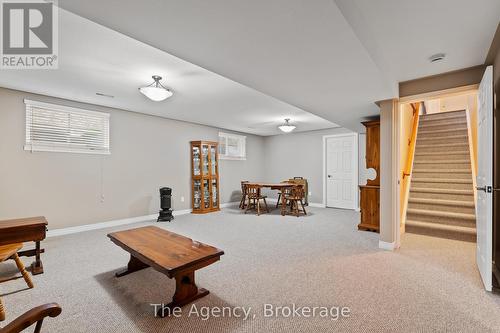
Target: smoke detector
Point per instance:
(437, 57)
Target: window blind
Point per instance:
(58, 128)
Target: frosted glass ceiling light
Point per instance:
(287, 127)
(156, 91)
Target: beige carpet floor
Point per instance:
(430, 285)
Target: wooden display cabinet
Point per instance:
(205, 177)
(370, 193)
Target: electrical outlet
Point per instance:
(182, 199)
(310, 193)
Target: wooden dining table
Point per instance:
(275, 186)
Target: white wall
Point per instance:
(301, 155)
(146, 153)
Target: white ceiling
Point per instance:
(402, 34)
(302, 52)
(332, 58)
(93, 58)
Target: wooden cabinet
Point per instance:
(205, 177)
(370, 193)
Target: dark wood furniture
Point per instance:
(32, 229)
(370, 193)
(205, 176)
(174, 255)
(275, 186)
(254, 196)
(10, 252)
(295, 196)
(35, 315)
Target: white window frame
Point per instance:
(241, 143)
(64, 148)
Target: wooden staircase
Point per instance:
(441, 200)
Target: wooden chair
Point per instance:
(243, 194)
(254, 196)
(35, 315)
(10, 252)
(295, 197)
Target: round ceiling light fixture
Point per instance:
(437, 57)
(156, 91)
(287, 127)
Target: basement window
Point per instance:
(57, 128)
(232, 146)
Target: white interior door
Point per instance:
(342, 171)
(484, 179)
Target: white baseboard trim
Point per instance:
(387, 246)
(108, 224)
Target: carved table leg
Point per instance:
(186, 292)
(283, 203)
(133, 265)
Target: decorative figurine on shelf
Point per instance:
(165, 204)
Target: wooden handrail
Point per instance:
(412, 141)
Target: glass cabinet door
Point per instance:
(206, 193)
(197, 194)
(215, 198)
(213, 160)
(196, 160)
(204, 153)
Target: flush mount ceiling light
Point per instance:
(156, 91)
(287, 127)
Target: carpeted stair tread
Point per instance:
(444, 115)
(441, 227)
(459, 144)
(444, 171)
(434, 123)
(441, 190)
(442, 131)
(442, 180)
(441, 138)
(441, 202)
(432, 153)
(452, 215)
(443, 162)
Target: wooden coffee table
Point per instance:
(174, 255)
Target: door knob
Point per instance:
(329, 176)
(486, 189)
